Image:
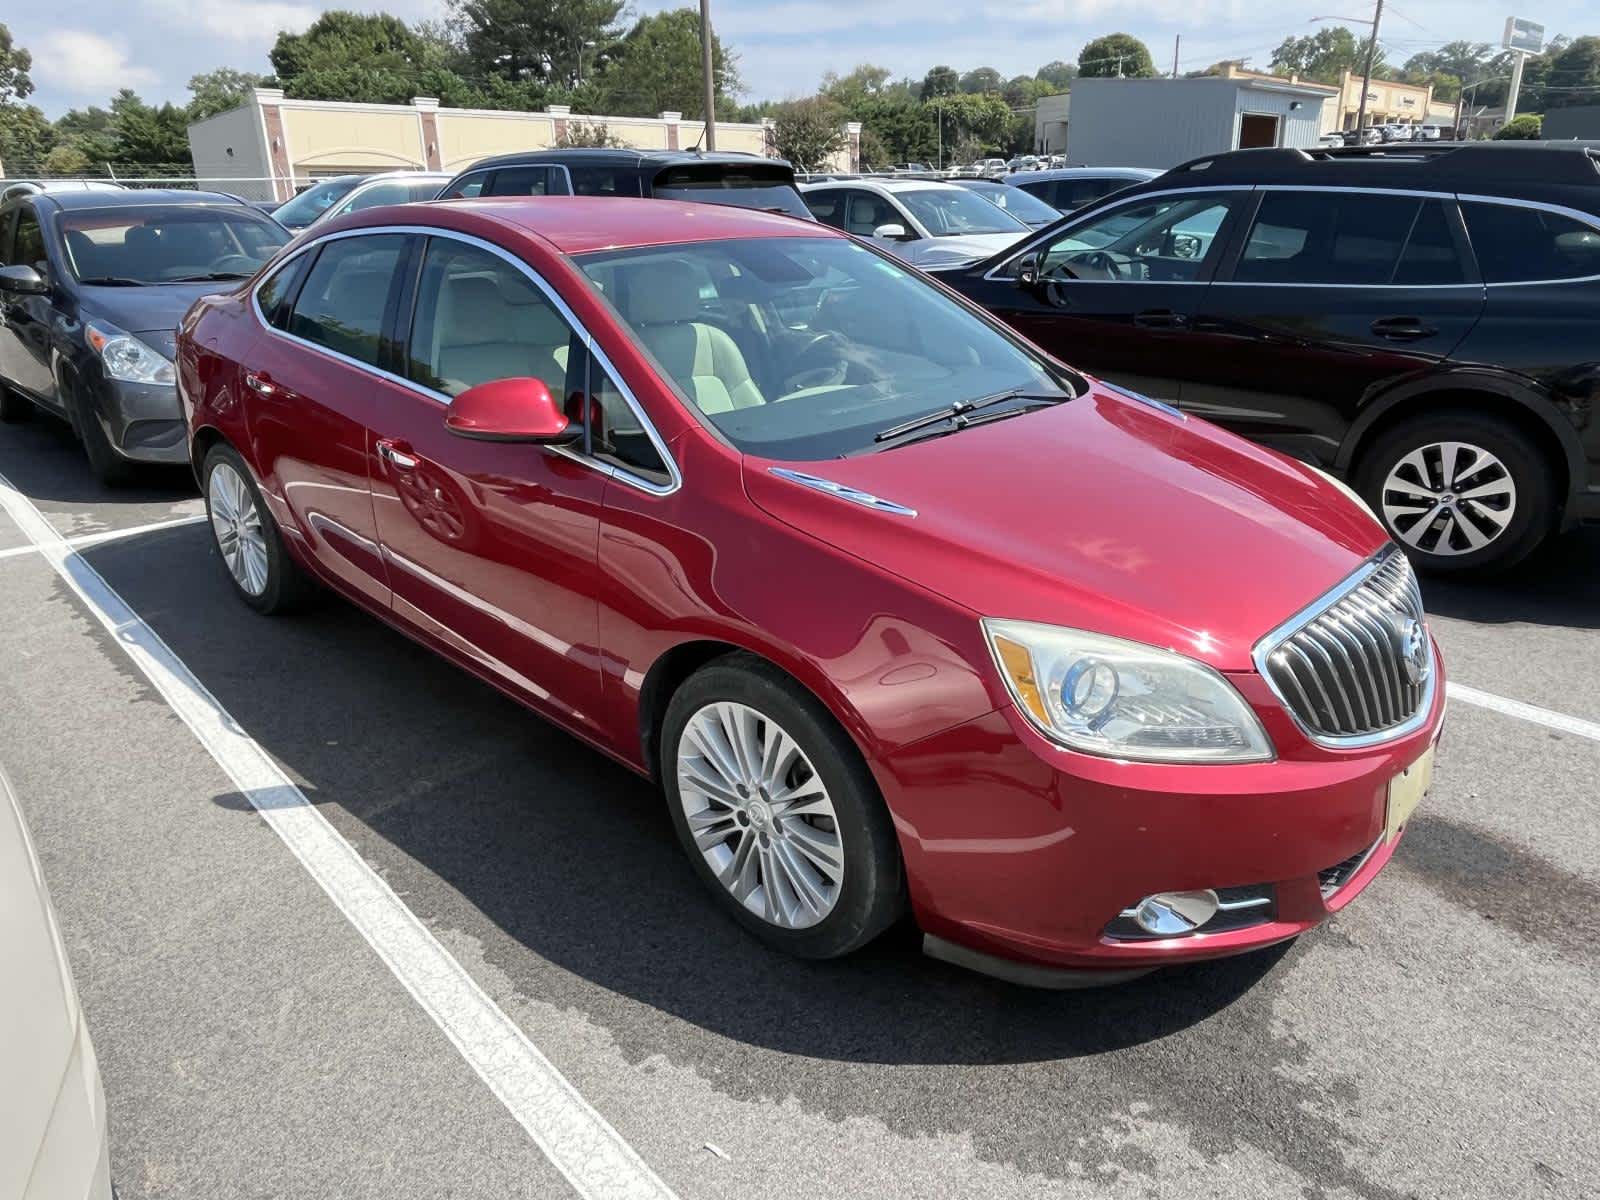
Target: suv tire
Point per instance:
(14, 406)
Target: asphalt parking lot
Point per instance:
(1437, 1039)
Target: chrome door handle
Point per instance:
(259, 383)
(397, 453)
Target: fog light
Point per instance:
(1171, 914)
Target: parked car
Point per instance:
(91, 289)
(1024, 206)
(1070, 188)
(302, 209)
(911, 168)
(740, 180)
(28, 187)
(748, 506)
(1428, 133)
(53, 1140)
(1423, 322)
(928, 223)
(394, 187)
(991, 168)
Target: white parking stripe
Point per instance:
(1526, 712)
(582, 1145)
(107, 535)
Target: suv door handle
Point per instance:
(1160, 318)
(1402, 329)
(398, 453)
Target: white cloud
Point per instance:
(240, 20)
(86, 64)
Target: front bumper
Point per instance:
(144, 421)
(1021, 851)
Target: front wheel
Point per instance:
(1460, 491)
(259, 567)
(777, 812)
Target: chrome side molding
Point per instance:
(854, 495)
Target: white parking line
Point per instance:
(1526, 712)
(85, 540)
(581, 1144)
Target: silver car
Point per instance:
(927, 222)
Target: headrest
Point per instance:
(663, 293)
(473, 312)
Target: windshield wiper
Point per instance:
(113, 281)
(956, 414)
(208, 277)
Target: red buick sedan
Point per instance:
(898, 611)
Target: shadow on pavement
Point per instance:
(44, 460)
(572, 856)
(1557, 585)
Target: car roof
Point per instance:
(580, 224)
(1405, 165)
(619, 155)
(1088, 173)
(887, 186)
(139, 197)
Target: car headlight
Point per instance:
(127, 358)
(1103, 695)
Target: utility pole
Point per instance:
(1515, 86)
(1366, 72)
(710, 79)
(1177, 41)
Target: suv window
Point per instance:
(600, 180)
(865, 211)
(1165, 239)
(478, 318)
(27, 242)
(467, 186)
(1516, 244)
(1348, 238)
(827, 206)
(346, 293)
(519, 181)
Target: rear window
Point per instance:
(755, 186)
(1515, 244)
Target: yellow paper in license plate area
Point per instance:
(1405, 793)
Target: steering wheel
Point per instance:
(1100, 260)
(819, 363)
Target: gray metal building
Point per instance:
(1579, 121)
(1163, 122)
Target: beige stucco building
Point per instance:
(1388, 102)
(271, 145)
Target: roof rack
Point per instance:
(1540, 162)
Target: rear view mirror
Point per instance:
(894, 231)
(22, 280)
(511, 410)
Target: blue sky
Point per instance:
(85, 51)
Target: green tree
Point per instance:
(1116, 54)
(901, 129)
(218, 91)
(1057, 74)
(26, 137)
(340, 40)
(808, 132)
(67, 160)
(656, 68)
(866, 80)
(590, 134)
(559, 41)
(146, 135)
(15, 62)
(1523, 127)
(973, 122)
(941, 81)
(980, 80)
(1465, 60)
(1574, 74)
(1322, 55)
(1022, 91)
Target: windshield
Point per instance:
(802, 348)
(1019, 204)
(743, 189)
(950, 211)
(394, 191)
(167, 243)
(314, 201)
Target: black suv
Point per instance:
(742, 180)
(1422, 318)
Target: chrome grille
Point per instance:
(1358, 665)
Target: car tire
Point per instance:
(14, 406)
(253, 555)
(1505, 481)
(109, 467)
(784, 895)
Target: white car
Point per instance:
(395, 187)
(53, 1142)
(929, 224)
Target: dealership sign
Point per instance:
(1524, 36)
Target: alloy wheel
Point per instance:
(760, 814)
(236, 523)
(1449, 498)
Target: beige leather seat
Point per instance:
(489, 329)
(662, 301)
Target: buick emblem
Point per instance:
(1411, 640)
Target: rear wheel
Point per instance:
(259, 567)
(777, 812)
(1460, 491)
(14, 406)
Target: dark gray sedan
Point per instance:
(92, 287)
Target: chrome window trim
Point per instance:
(1050, 233)
(621, 474)
(1270, 642)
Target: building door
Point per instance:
(1257, 129)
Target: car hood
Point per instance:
(1104, 513)
(152, 312)
(960, 250)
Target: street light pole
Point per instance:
(706, 71)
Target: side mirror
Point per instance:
(894, 231)
(511, 410)
(23, 280)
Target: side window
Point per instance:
(520, 181)
(615, 434)
(1431, 255)
(8, 222)
(346, 294)
(1166, 239)
(865, 211)
(1327, 237)
(827, 206)
(27, 242)
(1518, 244)
(372, 197)
(478, 318)
(467, 186)
(605, 181)
(274, 293)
